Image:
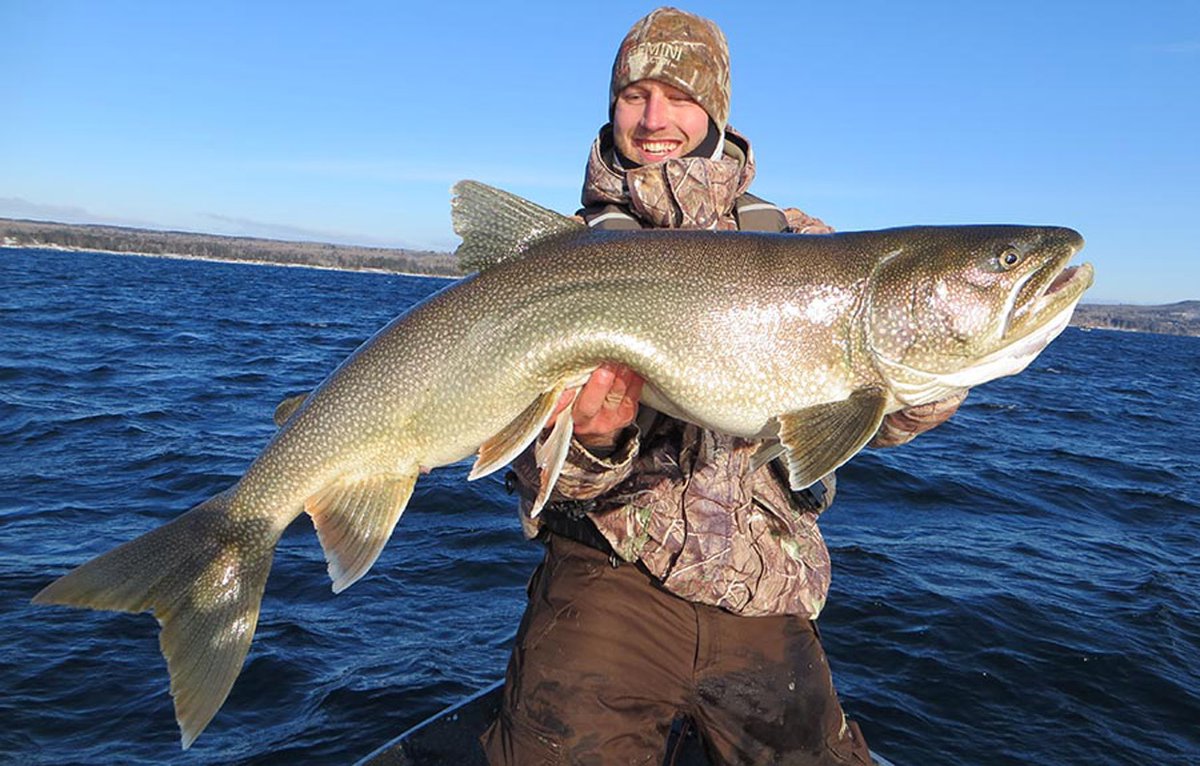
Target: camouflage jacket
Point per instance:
(680, 500)
(685, 193)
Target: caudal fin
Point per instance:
(202, 576)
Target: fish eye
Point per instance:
(1008, 258)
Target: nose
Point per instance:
(655, 116)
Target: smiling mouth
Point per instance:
(658, 148)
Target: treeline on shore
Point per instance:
(121, 239)
(1171, 319)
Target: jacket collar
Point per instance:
(682, 193)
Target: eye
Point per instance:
(633, 95)
(1008, 258)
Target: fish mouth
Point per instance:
(1050, 292)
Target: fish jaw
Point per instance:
(1057, 289)
(1056, 286)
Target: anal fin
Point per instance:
(821, 438)
(354, 520)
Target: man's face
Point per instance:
(653, 121)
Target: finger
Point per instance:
(633, 390)
(927, 416)
(621, 404)
(627, 375)
(591, 397)
(629, 383)
(620, 384)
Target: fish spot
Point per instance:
(220, 582)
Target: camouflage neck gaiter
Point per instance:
(682, 193)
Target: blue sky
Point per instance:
(349, 121)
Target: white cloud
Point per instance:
(391, 171)
(17, 207)
(247, 227)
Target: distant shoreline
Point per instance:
(123, 240)
(241, 261)
(1181, 318)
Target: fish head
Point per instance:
(952, 307)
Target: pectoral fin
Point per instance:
(503, 448)
(551, 454)
(355, 518)
(819, 439)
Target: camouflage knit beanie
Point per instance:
(679, 49)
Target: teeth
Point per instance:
(659, 147)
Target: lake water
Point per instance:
(1018, 587)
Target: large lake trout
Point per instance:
(805, 342)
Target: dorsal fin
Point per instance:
(496, 226)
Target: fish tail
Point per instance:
(202, 575)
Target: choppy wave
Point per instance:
(1017, 588)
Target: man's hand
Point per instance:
(904, 426)
(604, 406)
(803, 223)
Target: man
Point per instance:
(677, 581)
